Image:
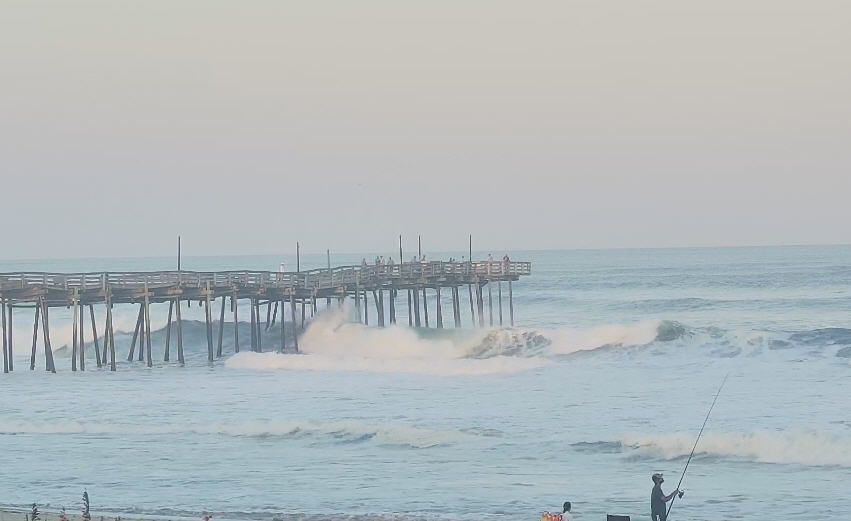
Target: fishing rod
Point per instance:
(699, 434)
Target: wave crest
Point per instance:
(804, 448)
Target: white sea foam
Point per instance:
(805, 448)
(572, 340)
(331, 343)
(346, 431)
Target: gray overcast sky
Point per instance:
(535, 124)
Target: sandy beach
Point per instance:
(11, 514)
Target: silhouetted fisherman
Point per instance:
(658, 499)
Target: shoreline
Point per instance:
(49, 514)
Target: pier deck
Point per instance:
(41, 291)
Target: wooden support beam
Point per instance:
(11, 328)
(136, 332)
(410, 312)
(209, 319)
(313, 308)
(110, 331)
(95, 335)
(439, 309)
(49, 365)
(74, 337)
(283, 329)
(454, 295)
(148, 330)
(221, 327)
(380, 306)
(499, 297)
(141, 356)
(425, 307)
(490, 304)
(365, 309)
(510, 303)
(472, 312)
(295, 330)
(35, 337)
(234, 302)
(253, 325)
(259, 332)
(82, 337)
(179, 331)
(481, 304)
(275, 313)
(302, 315)
(167, 353)
(392, 298)
(357, 303)
(268, 314)
(416, 299)
(457, 306)
(5, 336)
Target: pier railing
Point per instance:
(316, 278)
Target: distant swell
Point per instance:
(803, 448)
(338, 432)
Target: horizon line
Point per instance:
(579, 249)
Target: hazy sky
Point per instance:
(245, 126)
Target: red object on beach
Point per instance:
(552, 516)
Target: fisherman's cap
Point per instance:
(656, 477)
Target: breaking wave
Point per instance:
(337, 432)
(802, 448)
(331, 343)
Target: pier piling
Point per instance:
(82, 337)
(35, 337)
(166, 352)
(136, 332)
(95, 335)
(148, 329)
(179, 331)
(439, 311)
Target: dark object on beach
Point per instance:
(610, 517)
(86, 515)
(34, 513)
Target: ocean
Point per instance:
(606, 379)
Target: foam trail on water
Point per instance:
(804, 448)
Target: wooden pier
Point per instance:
(292, 292)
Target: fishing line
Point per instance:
(699, 434)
